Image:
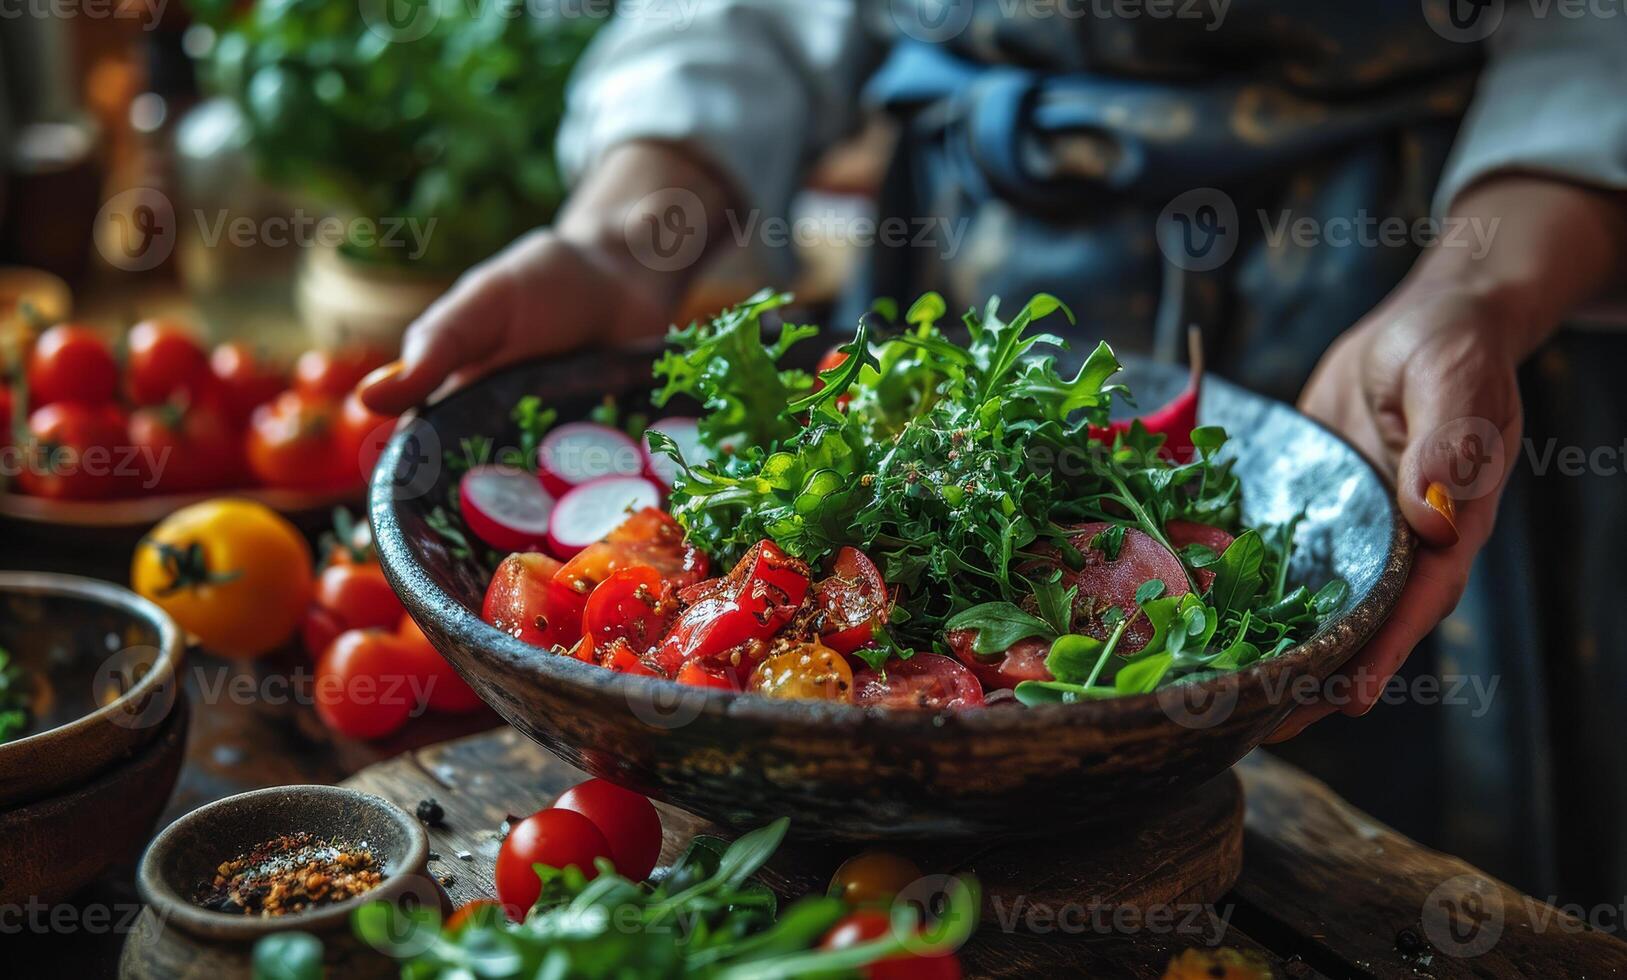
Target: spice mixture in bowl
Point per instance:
(291, 873)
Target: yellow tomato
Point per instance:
(234, 573)
(811, 671)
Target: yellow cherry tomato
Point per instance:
(234, 573)
(810, 671)
(873, 878)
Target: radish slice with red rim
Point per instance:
(587, 513)
(505, 507)
(685, 434)
(578, 452)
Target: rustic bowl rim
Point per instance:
(171, 906)
(1336, 642)
(166, 667)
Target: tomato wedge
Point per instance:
(760, 595)
(924, 682)
(1105, 584)
(649, 537)
(1025, 661)
(527, 600)
(854, 600)
(626, 609)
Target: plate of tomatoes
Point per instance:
(101, 435)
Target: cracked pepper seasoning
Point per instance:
(288, 874)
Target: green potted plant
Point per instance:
(423, 131)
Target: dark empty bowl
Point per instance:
(845, 772)
(102, 666)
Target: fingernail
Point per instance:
(383, 374)
(1441, 503)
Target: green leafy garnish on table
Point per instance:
(961, 461)
(15, 697)
(705, 918)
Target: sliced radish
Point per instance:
(506, 507)
(587, 513)
(686, 434)
(578, 452)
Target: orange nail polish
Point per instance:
(385, 373)
(1441, 503)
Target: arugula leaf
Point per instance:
(1056, 604)
(999, 625)
(1238, 575)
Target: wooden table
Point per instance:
(1325, 891)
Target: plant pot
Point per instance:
(349, 302)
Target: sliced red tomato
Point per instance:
(627, 608)
(763, 591)
(705, 673)
(650, 537)
(1105, 584)
(924, 682)
(1183, 533)
(527, 600)
(1025, 661)
(854, 600)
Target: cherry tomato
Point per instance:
(359, 595)
(361, 435)
(247, 379)
(5, 414)
(468, 911)
(854, 600)
(873, 877)
(527, 600)
(164, 361)
(808, 671)
(924, 682)
(1025, 661)
(761, 594)
(332, 374)
(362, 686)
(618, 658)
(291, 444)
(629, 822)
(650, 537)
(184, 448)
(70, 363)
(446, 691)
(832, 360)
(318, 630)
(704, 673)
(555, 838)
(77, 452)
(628, 607)
(867, 925)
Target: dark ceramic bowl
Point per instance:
(102, 664)
(845, 772)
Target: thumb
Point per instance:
(458, 330)
(1462, 423)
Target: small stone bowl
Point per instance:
(176, 937)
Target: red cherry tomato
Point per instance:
(867, 925)
(527, 600)
(704, 673)
(5, 414)
(832, 360)
(291, 443)
(361, 435)
(362, 687)
(760, 596)
(70, 363)
(924, 682)
(185, 448)
(247, 379)
(629, 822)
(446, 691)
(360, 595)
(854, 600)
(332, 374)
(318, 630)
(1025, 661)
(556, 838)
(164, 361)
(650, 537)
(628, 607)
(77, 452)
